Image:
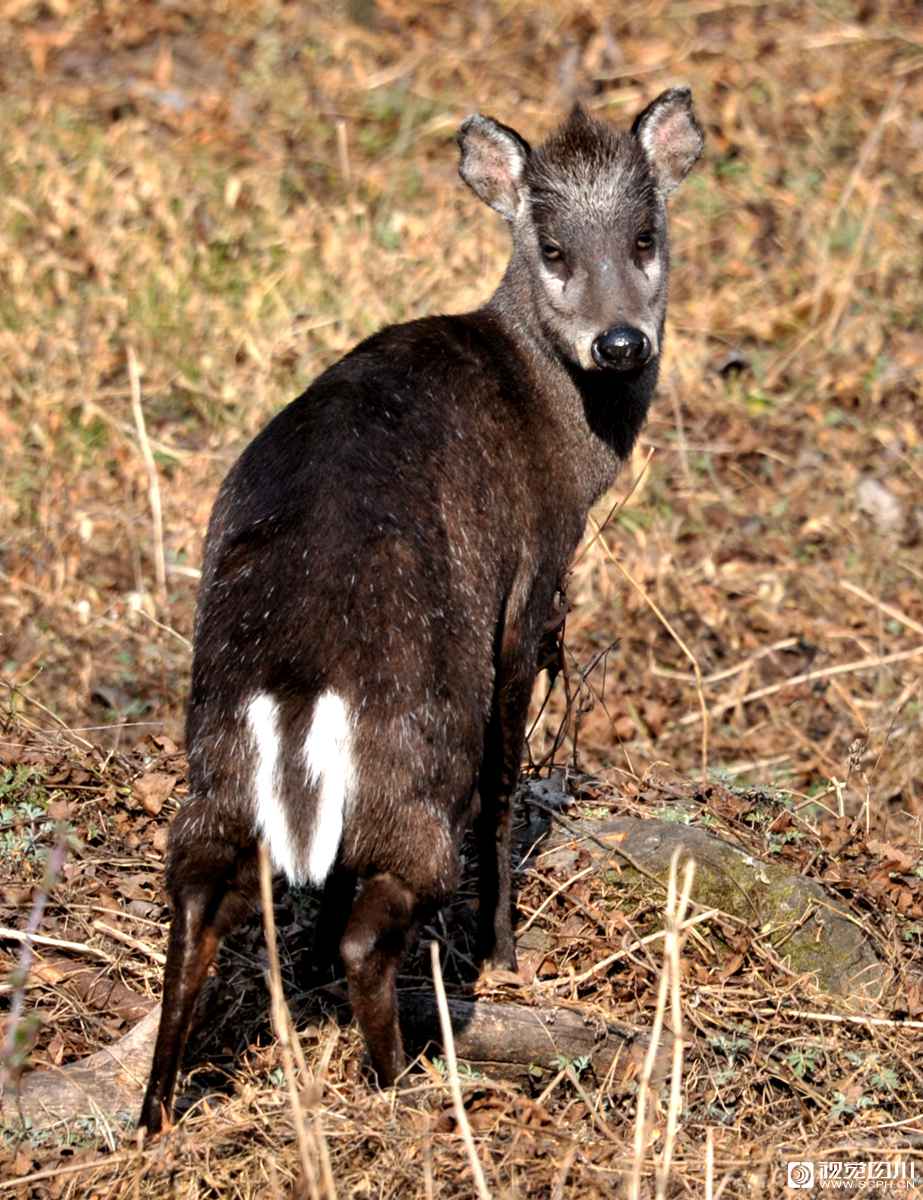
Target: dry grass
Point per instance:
(768, 1069)
(230, 196)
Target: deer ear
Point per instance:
(670, 137)
(493, 160)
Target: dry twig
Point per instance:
(159, 556)
(448, 1045)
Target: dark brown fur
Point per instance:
(396, 535)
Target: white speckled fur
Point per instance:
(271, 820)
(328, 756)
(329, 774)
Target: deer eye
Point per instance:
(645, 241)
(551, 252)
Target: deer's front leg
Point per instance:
(493, 829)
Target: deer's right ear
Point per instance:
(493, 161)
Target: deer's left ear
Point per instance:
(670, 137)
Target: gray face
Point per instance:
(592, 227)
(587, 211)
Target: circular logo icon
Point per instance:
(800, 1174)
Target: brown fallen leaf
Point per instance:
(893, 858)
(94, 988)
(153, 790)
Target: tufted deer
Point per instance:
(382, 560)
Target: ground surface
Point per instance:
(229, 197)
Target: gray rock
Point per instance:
(810, 931)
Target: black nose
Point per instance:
(622, 348)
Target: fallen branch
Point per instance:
(108, 1083)
(507, 1040)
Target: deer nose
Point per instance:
(622, 348)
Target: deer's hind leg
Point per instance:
(213, 887)
(378, 930)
